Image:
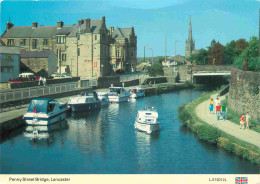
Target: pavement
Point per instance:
(250, 136)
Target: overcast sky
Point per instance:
(223, 20)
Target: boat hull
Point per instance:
(149, 128)
(44, 119)
(118, 99)
(137, 95)
(85, 106)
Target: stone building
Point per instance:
(42, 63)
(123, 48)
(86, 49)
(9, 62)
(190, 43)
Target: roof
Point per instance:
(39, 32)
(36, 54)
(95, 26)
(9, 50)
(122, 33)
(52, 31)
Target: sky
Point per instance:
(222, 20)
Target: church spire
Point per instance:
(190, 33)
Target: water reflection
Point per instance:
(43, 135)
(145, 154)
(87, 131)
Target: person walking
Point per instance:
(211, 106)
(242, 121)
(248, 118)
(218, 107)
(224, 111)
(44, 81)
(216, 102)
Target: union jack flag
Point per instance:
(241, 180)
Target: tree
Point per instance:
(230, 52)
(155, 69)
(250, 53)
(241, 44)
(216, 54)
(200, 58)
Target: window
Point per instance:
(23, 42)
(78, 37)
(132, 53)
(10, 42)
(2, 69)
(95, 37)
(9, 69)
(35, 44)
(8, 57)
(63, 57)
(45, 42)
(78, 51)
(61, 39)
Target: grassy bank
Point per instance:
(212, 135)
(235, 117)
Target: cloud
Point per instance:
(227, 13)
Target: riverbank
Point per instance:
(10, 120)
(213, 133)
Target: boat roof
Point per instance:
(136, 87)
(116, 87)
(45, 99)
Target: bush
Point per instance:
(208, 133)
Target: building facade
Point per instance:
(190, 43)
(86, 49)
(42, 63)
(9, 62)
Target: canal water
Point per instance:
(106, 142)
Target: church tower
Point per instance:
(190, 43)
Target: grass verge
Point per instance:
(212, 135)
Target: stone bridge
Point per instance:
(198, 73)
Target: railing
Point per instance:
(31, 92)
(130, 77)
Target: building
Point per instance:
(42, 63)
(123, 48)
(190, 43)
(86, 49)
(9, 62)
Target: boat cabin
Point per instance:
(43, 105)
(117, 90)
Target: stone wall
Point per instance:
(184, 73)
(39, 66)
(244, 95)
(105, 82)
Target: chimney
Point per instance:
(59, 24)
(111, 30)
(34, 25)
(9, 25)
(87, 23)
(80, 21)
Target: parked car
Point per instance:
(120, 71)
(18, 80)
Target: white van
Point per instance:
(30, 76)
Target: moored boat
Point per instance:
(136, 92)
(44, 111)
(103, 97)
(147, 120)
(118, 94)
(86, 101)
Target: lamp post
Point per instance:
(175, 47)
(144, 51)
(152, 54)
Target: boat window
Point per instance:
(148, 114)
(51, 106)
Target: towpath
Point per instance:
(250, 136)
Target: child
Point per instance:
(224, 111)
(218, 107)
(242, 121)
(211, 106)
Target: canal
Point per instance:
(105, 142)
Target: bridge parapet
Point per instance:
(210, 68)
